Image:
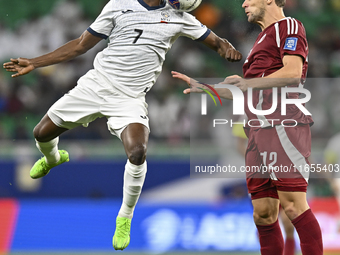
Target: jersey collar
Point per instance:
(150, 8)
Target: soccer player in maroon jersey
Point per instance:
(277, 59)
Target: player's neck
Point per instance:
(153, 2)
(271, 17)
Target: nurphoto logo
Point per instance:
(239, 102)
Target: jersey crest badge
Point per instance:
(291, 43)
(165, 17)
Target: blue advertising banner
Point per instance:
(66, 225)
(83, 179)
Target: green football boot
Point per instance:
(41, 168)
(121, 238)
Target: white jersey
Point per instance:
(139, 37)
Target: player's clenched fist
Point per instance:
(233, 55)
(19, 66)
(228, 52)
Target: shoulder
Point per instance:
(290, 26)
(191, 20)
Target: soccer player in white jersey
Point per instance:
(140, 33)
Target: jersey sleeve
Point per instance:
(292, 38)
(193, 29)
(104, 23)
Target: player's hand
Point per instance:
(237, 81)
(181, 76)
(191, 83)
(233, 55)
(19, 66)
(230, 54)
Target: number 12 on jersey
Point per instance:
(273, 159)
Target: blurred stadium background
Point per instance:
(73, 209)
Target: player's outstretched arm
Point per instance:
(222, 47)
(19, 66)
(188, 81)
(197, 87)
(68, 51)
(288, 75)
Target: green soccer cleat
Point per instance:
(40, 168)
(121, 238)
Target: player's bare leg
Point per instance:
(135, 139)
(266, 212)
(46, 134)
(289, 248)
(46, 130)
(293, 203)
(296, 208)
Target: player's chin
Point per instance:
(251, 18)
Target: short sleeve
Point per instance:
(104, 23)
(293, 38)
(194, 29)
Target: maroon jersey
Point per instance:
(286, 36)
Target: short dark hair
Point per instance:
(280, 3)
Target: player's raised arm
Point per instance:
(222, 47)
(188, 80)
(198, 87)
(289, 75)
(68, 51)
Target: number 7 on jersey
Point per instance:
(140, 32)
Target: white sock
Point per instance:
(50, 150)
(134, 177)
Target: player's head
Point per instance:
(256, 9)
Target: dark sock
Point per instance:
(289, 246)
(309, 232)
(271, 239)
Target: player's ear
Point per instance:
(269, 2)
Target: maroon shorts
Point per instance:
(277, 159)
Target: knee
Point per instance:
(41, 134)
(265, 216)
(38, 134)
(291, 211)
(137, 154)
(293, 203)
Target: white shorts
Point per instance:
(93, 98)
